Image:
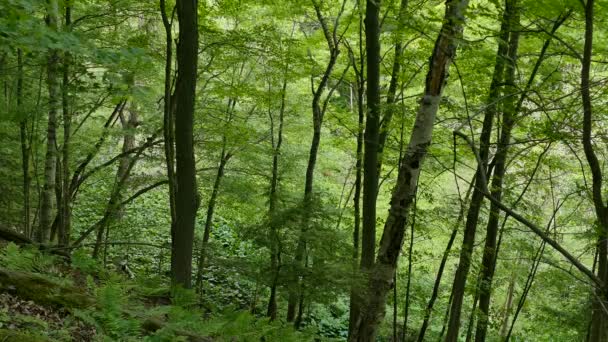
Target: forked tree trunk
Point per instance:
(466, 251)
(318, 112)
(381, 274)
(508, 121)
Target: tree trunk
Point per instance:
(65, 221)
(599, 320)
(508, 307)
(444, 259)
(508, 121)
(370, 143)
(122, 176)
(168, 114)
(409, 275)
(360, 81)
(275, 251)
(46, 210)
(318, 112)
(391, 96)
(224, 158)
(464, 263)
(186, 199)
(382, 272)
(25, 149)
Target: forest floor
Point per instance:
(44, 298)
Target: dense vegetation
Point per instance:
(241, 170)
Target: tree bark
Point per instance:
(500, 160)
(360, 82)
(599, 320)
(382, 272)
(168, 114)
(391, 95)
(25, 148)
(186, 198)
(464, 263)
(65, 221)
(46, 210)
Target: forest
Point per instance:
(303, 170)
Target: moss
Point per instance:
(43, 290)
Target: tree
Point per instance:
(381, 274)
(186, 198)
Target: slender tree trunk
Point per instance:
(409, 274)
(318, 111)
(466, 251)
(508, 307)
(360, 77)
(168, 114)
(444, 259)
(370, 143)
(122, 176)
(380, 281)
(508, 121)
(599, 325)
(186, 198)
(25, 149)
(65, 222)
(391, 96)
(275, 251)
(224, 158)
(46, 211)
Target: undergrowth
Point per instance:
(124, 305)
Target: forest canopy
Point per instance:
(317, 170)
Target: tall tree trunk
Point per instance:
(410, 253)
(391, 96)
(466, 251)
(382, 272)
(168, 114)
(25, 149)
(360, 82)
(509, 112)
(224, 158)
(318, 112)
(275, 251)
(599, 320)
(370, 144)
(46, 210)
(186, 198)
(65, 222)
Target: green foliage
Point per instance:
(28, 259)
